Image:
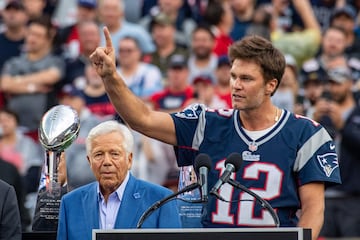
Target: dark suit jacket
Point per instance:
(79, 210)
(10, 175)
(10, 225)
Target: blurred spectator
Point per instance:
(28, 80)
(163, 33)
(313, 86)
(302, 44)
(323, 10)
(134, 10)
(202, 60)
(96, 98)
(205, 92)
(89, 38)
(35, 8)
(345, 18)
(142, 78)
(78, 168)
(333, 48)
(161, 163)
(243, 16)
(284, 15)
(18, 149)
(333, 54)
(10, 175)
(111, 14)
(178, 91)
(219, 16)
(222, 87)
(69, 36)
(342, 215)
(12, 39)
(176, 11)
(262, 23)
(286, 95)
(24, 154)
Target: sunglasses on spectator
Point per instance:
(126, 50)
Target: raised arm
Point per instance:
(133, 110)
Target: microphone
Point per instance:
(202, 163)
(202, 166)
(161, 202)
(232, 164)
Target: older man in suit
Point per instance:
(117, 199)
(10, 224)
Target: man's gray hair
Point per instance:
(108, 127)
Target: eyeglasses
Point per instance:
(127, 50)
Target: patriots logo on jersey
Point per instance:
(189, 112)
(328, 162)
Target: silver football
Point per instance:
(59, 128)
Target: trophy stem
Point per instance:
(51, 172)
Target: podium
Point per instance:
(283, 233)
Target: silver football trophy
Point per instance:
(58, 129)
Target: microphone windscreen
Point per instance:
(235, 159)
(202, 160)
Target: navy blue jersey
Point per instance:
(295, 152)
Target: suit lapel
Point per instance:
(130, 208)
(90, 207)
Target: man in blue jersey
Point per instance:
(287, 159)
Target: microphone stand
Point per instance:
(161, 202)
(262, 201)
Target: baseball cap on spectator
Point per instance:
(346, 10)
(161, 19)
(178, 61)
(14, 4)
(203, 79)
(87, 3)
(223, 60)
(339, 74)
(313, 72)
(72, 91)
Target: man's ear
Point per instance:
(130, 159)
(271, 86)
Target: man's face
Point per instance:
(163, 35)
(248, 88)
(89, 37)
(109, 161)
(7, 123)
(334, 42)
(37, 38)
(110, 12)
(202, 44)
(14, 18)
(313, 90)
(339, 91)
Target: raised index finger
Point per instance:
(107, 38)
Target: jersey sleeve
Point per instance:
(186, 123)
(317, 160)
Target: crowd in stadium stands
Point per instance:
(172, 53)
